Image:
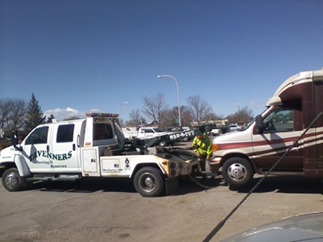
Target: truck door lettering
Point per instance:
(52, 156)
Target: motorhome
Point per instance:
(255, 149)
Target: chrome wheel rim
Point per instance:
(147, 182)
(12, 180)
(237, 172)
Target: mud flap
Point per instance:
(171, 186)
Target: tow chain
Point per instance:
(198, 183)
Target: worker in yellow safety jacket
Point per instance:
(202, 146)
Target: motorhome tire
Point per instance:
(237, 172)
(12, 181)
(149, 182)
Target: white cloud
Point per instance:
(61, 114)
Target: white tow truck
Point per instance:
(90, 147)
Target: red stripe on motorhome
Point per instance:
(250, 144)
(240, 145)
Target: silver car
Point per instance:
(305, 227)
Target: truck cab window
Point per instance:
(280, 121)
(38, 136)
(65, 133)
(102, 131)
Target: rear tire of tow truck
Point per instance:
(237, 172)
(149, 182)
(12, 181)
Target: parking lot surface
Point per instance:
(111, 210)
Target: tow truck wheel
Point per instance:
(12, 181)
(149, 182)
(237, 172)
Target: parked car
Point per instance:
(234, 127)
(216, 131)
(219, 130)
(305, 227)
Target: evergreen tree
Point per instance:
(34, 115)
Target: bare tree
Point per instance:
(154, 108)
(186, 116)
(12, 114)
(17, 117)
(170, 117)
(135, 118)
(5, 109)
(243, 116)
(199, 108)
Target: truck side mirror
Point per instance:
(259, 124)
(14, 140)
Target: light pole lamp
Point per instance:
(177, 93)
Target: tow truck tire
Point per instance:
(12, 181)
(149, 182)
(237, 172)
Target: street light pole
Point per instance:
(177, 93)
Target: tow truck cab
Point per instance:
(295, 104)
(60, 147)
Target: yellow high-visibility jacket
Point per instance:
(202, 147)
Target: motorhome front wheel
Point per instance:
(237, 172)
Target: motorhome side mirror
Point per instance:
(259, 124)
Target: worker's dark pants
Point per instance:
(202, 162)
(204, 165)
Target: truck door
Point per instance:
(282, 127)
(65, 151)
(35, 150)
